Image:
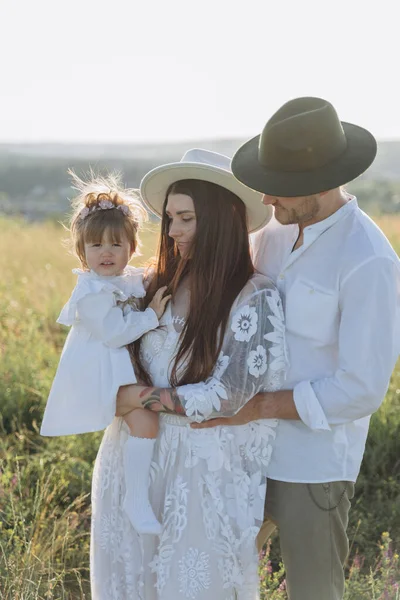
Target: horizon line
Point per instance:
(142, 142)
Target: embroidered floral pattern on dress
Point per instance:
(244, 323)
(194, 573)
(208, 486)
(278, 347)
(174, 523)
(107, 530)
(201, 399)
(214, 449)
(220, 367)
(257, 361)
(252, 439)
(115, 588)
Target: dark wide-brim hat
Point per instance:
(304, 149)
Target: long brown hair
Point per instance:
(218, 267)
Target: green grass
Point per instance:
(45, 482)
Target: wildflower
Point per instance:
(282, 586)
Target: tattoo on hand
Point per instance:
(161, 400)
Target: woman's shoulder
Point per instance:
(260, 290)
(257, 284)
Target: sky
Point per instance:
(130, 71)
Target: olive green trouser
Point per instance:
(312, 521)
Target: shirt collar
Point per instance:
(317, 228)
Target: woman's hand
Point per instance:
(159, 303)
(155, 399)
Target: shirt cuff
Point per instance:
(309, 408)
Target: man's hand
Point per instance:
(266, 405)
(249, 412)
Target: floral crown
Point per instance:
(103, 205)
(99, 192)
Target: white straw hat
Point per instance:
(206, 166)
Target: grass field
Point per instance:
(45, 482)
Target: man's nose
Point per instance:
(266, 199)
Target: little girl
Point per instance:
(104, 312)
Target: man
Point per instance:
(340, 283)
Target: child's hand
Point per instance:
(159, 303)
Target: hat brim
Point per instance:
(154, 186)
(358, 156)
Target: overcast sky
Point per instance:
(147, 70)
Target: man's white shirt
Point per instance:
(341, 294)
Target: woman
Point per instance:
(220, 342)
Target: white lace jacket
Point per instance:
(253, 356)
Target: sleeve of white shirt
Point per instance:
(368, 349)
(107, 323)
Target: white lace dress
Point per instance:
(207, 486)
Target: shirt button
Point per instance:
(281, 276)
(312, 291)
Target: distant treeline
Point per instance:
(34, 180)
(39, 187)
(377, 196)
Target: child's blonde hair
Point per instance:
(102, 206)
